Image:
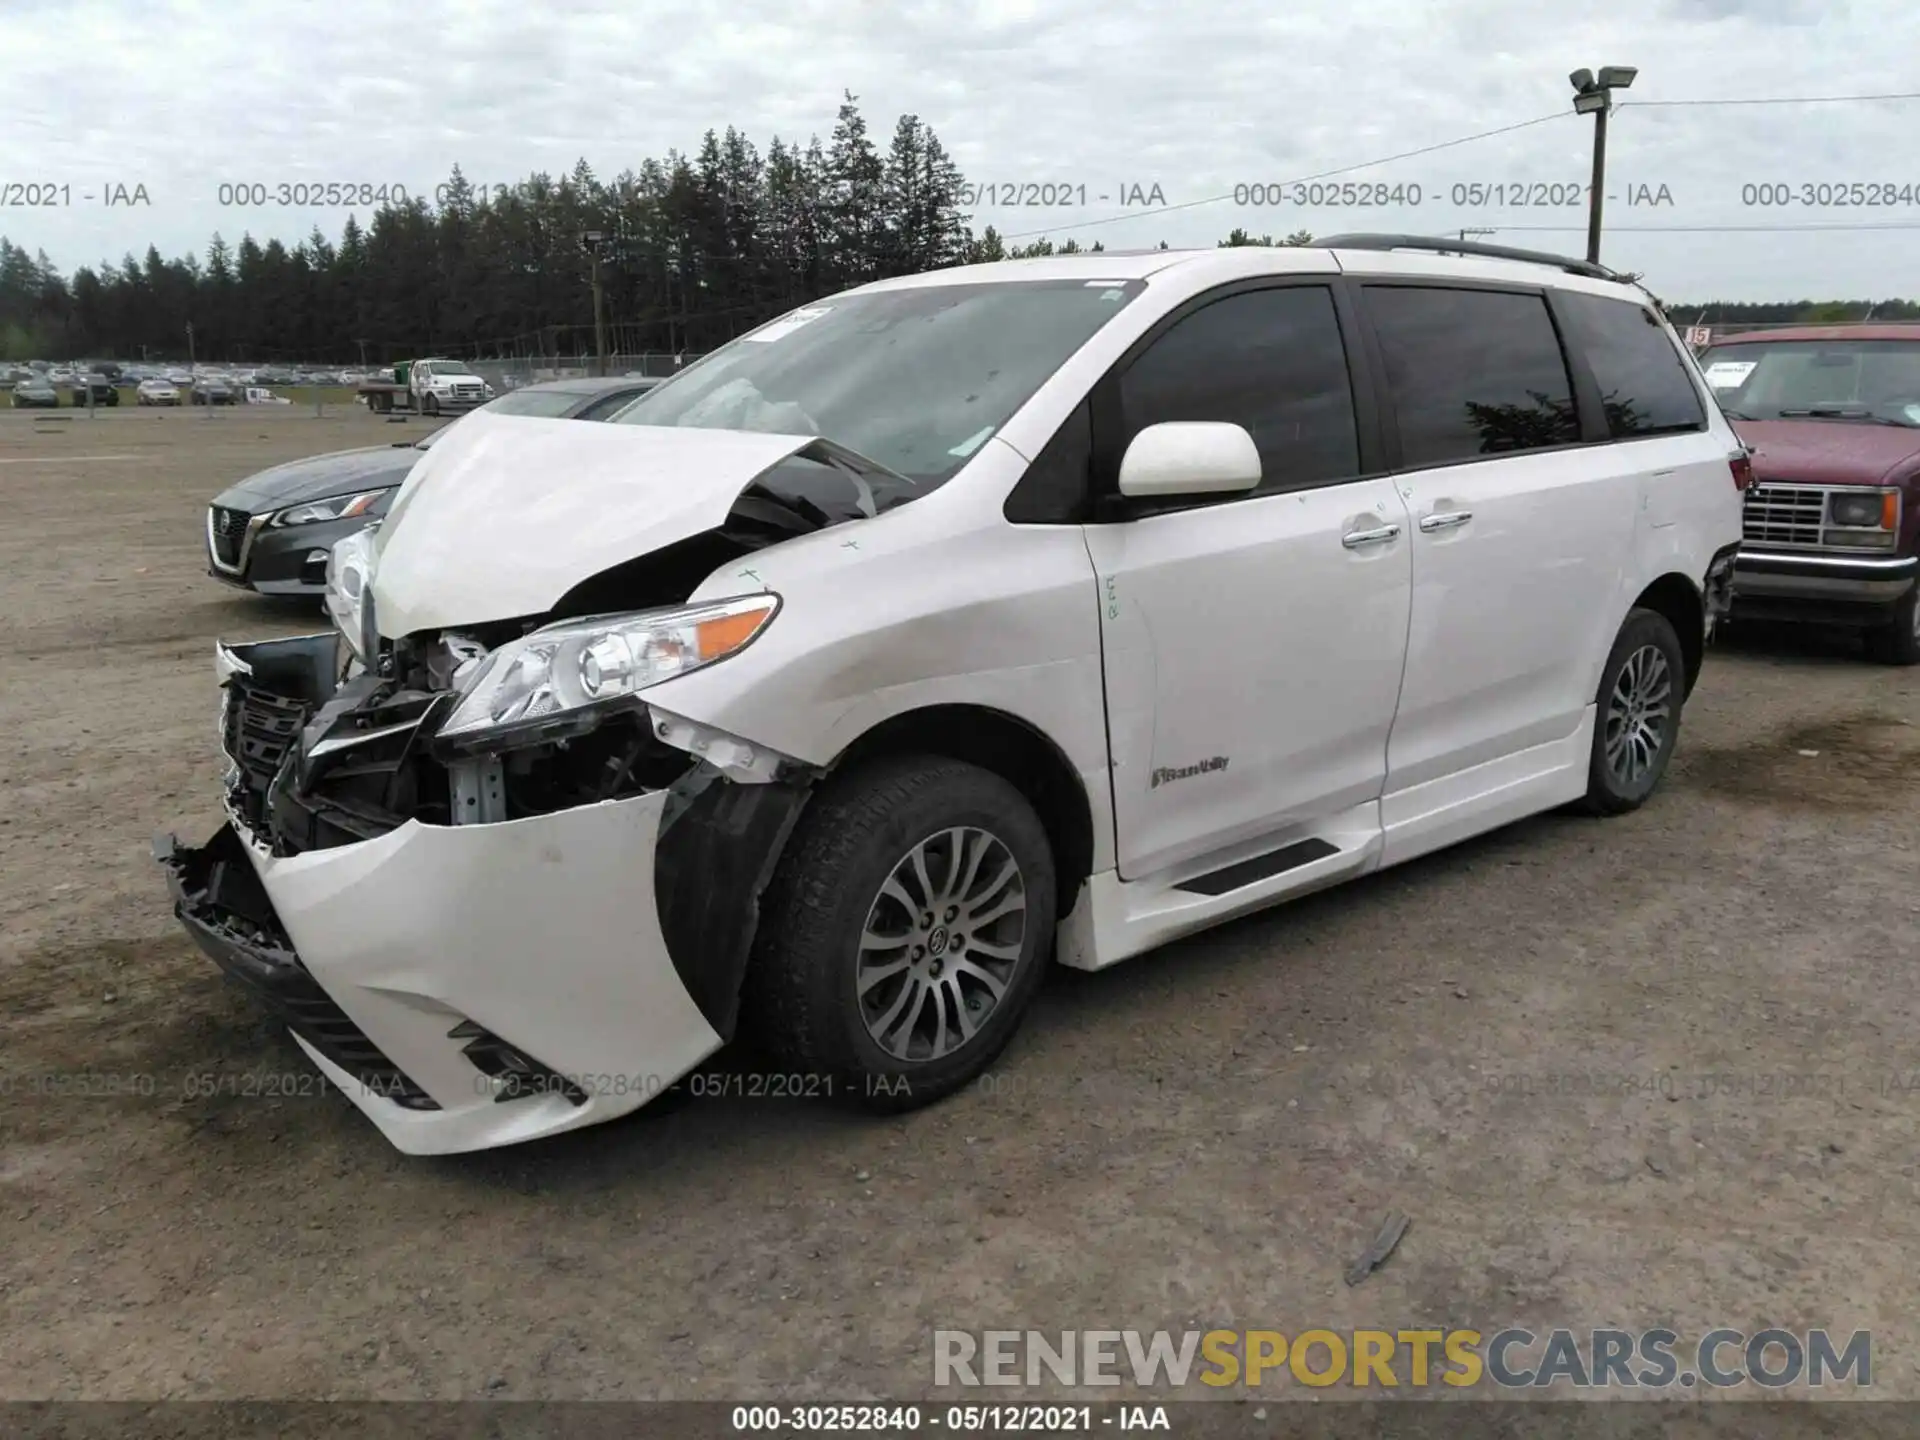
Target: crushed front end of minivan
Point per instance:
(494, 893)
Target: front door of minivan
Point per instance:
(1253, 644)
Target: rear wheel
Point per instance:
(905, 932)
(1637, 719)
(1898, 642)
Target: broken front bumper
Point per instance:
(476, 985)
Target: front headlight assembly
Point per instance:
(562, 679)
(350, 592)
(340, 507)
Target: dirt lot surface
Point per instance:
(1654, 1070)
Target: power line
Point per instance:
(1304, 179)
(1709, 229)
(1773, 100)
(1467, 140)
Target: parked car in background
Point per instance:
(1832, 523)
(156, 392)
(208, 390)
(1055, 607)
(272, 531)
(104, 391)
(180, 378)
(35, 393)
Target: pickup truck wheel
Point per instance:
(1898, 642)
(904, 933)
(429, 405)
(1637, 714)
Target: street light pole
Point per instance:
(1594, 96)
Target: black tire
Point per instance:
(1898, 641)
(801, 1000)
(429, 405)
(1623, 782)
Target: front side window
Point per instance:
(1271, 361)
(916, 378)
(1471, 373)
(1874, 381)
(1644, 387)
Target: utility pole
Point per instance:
(1594, 97)
(592, 240)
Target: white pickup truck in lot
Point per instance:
(1047, 609)
(427, 387)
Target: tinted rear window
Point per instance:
(1643, 384)
(1471, 372)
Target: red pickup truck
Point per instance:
(1831, 415)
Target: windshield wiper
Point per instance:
(1841, 412)
(1737, 414)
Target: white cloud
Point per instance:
(1194, 97)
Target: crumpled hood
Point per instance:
(1828, 452)
(508, 513)
(340, 473)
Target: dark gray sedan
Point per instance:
(272, 532)
(35, 392)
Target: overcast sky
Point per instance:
(1195, 97)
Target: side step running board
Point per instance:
(1260, 867)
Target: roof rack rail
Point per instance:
(1443, 245)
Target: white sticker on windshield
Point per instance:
(1729, 374)
(788, 323)
(972, 443)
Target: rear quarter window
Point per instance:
(1644, 385)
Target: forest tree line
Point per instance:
(694, 249)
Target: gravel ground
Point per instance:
(1654, 1070)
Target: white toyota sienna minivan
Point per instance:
(1045, 609)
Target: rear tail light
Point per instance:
(1741, 464)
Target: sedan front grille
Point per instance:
(257, 730)
(1784, 515)
(228, 529)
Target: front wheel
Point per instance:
(1637, 719)
(1898, 642)
(905, 932)
(429, 405)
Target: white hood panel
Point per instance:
(509, 512)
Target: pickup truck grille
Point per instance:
(469, 390)
(1784, 515)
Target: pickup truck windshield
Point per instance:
(1867, 380)
(917, 379)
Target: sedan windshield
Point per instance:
(553, 404)
(1864, 380)
(917, 378)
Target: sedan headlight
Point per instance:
(350, 592)
(559, 680)
(340, 507)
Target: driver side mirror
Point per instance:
(1190, 457)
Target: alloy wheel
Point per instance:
(941, 943)
(1639, 712)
